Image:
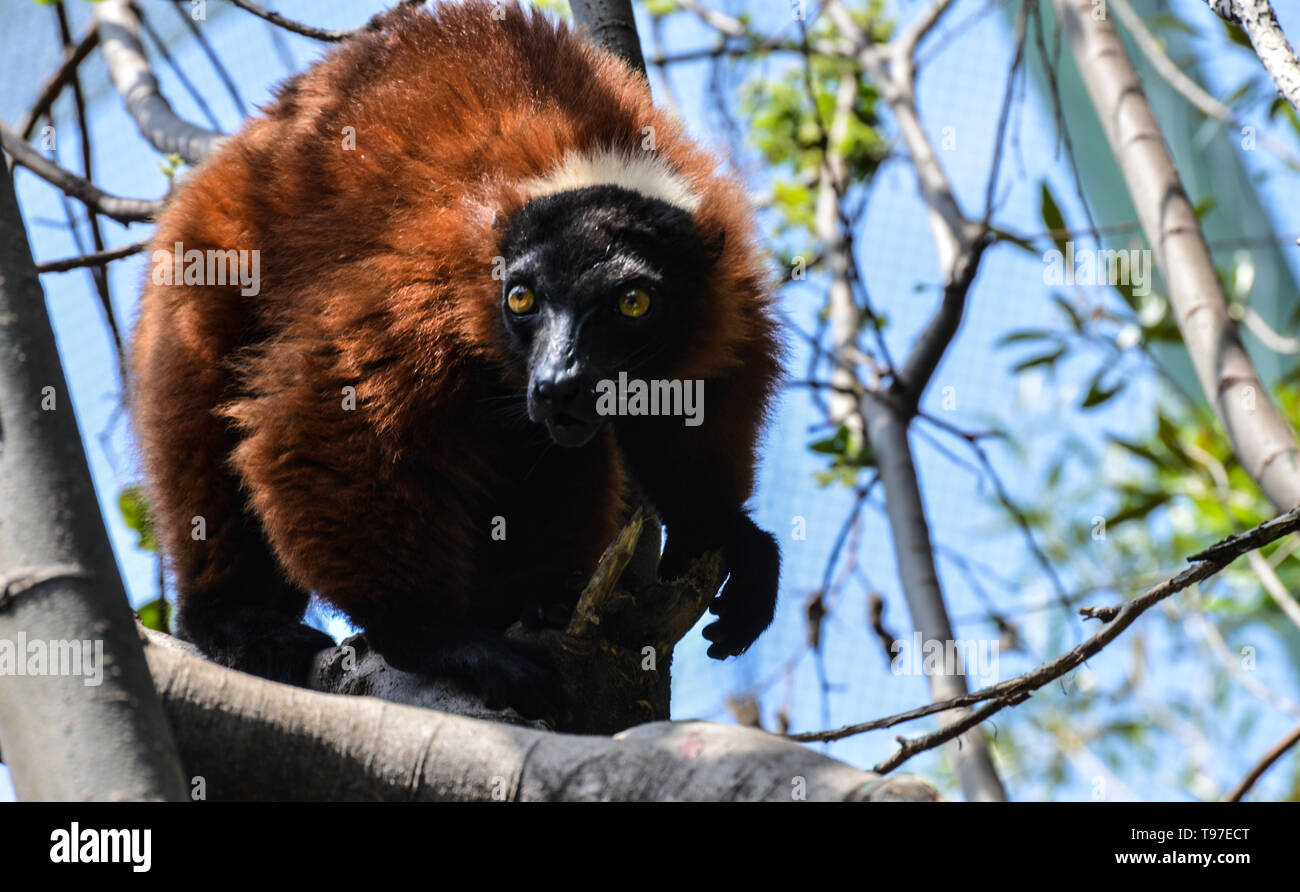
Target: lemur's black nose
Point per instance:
(558, 394)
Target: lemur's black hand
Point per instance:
(752, 559)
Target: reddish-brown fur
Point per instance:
(376, 273)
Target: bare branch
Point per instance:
(97, 275)
(942, 327)
(99, 258)
(970, 719)
(57, 81)
(123, 210)
(1117, 619)
(1264, 764)
(328, 35)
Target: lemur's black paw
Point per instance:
(551, 607)
(257, 640)
(747, 603)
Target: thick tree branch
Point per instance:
(361, 748)
(85, 722)
(1260, 437)
(119, 31)
(1188, 88)
(960, 245)
(611, 24)
(1258, 20)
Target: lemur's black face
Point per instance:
(598, 281)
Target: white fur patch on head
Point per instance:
(642, 172)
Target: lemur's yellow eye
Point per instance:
(520, 300)
(634, 302)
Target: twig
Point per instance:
(99, 258)
(123, 210)
(178, 71)
(1009, 504)
(1004, 117)
(96, 234)
(57, 81)
(1015, 690)
(1264, 764)
(328, 35)
(909, 748)
(1278, 343)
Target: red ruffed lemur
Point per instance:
(464, 222)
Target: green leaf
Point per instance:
(1167, 21)
(1026, 334)
(1137, 449)
(1047, 359)
(1138, 505)
(135, 513)
(1204, 206)
(833, 445)
(156, 615)
(1237, 35)
(1097, 394)
(1168, 435)
(1076, 322)
(1052, 218)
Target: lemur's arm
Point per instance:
(699, 479)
